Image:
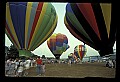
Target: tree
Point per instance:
(6, 52)
(43, 57)
(13, 52)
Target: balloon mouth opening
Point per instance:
(57, 56)
(24, 53)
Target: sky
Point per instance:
(60, 28)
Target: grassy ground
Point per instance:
(75, 70)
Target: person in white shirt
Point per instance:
(110, 63)
(28, 62)
(43, 69)
(21, 69)
(12, 67)
(6, 68)
(9, 62)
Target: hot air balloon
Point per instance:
(57, 43)
(70, 56)
(73, 57)
(29, 24)
(92, 24)
(80, 51)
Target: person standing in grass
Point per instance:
(43, 69)
(39, 63)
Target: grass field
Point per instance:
(75, 71)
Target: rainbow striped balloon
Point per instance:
(29, 24)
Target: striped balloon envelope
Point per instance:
(29, 24)
(80, 51)
(92, 23)
(57, 43)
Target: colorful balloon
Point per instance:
(80, 51)
(29, 24)
(92, 24)
(72, 56)
(57, 43)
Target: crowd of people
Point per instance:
(17, 67)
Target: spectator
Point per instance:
(110, 63)
(28, 62)
(43, 69)
(12, 67)
(114, 63)
(6, 68)
(21, 68)
(39, 62)
(16, 65)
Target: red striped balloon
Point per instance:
(80, 51)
